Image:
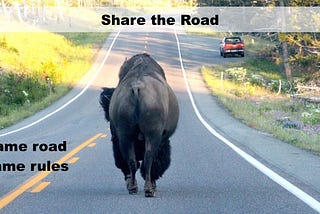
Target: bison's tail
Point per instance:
(104, 100)
(136, 114)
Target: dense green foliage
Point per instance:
(16, 90)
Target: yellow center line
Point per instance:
(40, 187)
(92, 145)
(8, 198)
(73, 160)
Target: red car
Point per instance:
(232, 45)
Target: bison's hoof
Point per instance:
(149, 193)
(150, 189)
(132, 187)
(133, 191)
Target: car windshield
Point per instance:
(233, 40)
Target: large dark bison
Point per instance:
(143, 112)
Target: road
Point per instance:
(207, 174)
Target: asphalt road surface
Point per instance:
(236, 170)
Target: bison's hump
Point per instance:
(139, 65)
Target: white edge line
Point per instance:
(306, 198)
(75, 97)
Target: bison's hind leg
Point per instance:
(131, 180)
(128, 153)
(160, 164)
(122, 164)
(119, 161)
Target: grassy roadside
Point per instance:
(257, 93)
(28, 59)
(261, 108)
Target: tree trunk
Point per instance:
(285, 60)
(4, 9)
(43, 12)
(17, 11)
(284, 46)
(58, 10)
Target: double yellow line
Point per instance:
(8, 198)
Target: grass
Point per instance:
(26, 60)
(264, 68)
(286, 119)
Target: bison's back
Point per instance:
(147, 103)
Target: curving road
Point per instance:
(239, 171)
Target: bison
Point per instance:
(143, 112)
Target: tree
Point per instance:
(4, 9)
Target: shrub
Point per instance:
(256, 79)
(3, 42)
(237, 74)
(19, 89)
